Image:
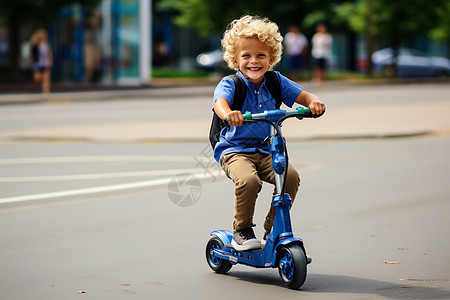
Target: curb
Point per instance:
(181, 140)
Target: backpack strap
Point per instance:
(273, 85)
(240, 92)
(217, 124)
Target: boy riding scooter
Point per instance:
(252, 46)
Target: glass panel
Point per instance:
(129, 39)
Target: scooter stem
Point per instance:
(279, 178)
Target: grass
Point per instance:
(175, 73)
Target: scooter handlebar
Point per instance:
(277, 114)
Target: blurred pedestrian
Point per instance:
(321, 51)
(295, 44)
(4, 47)
(162, 56)
(41, 58)
(92, 49)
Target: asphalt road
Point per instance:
(102, 219)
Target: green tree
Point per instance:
(442, 31)
(397, 22)
(212, 16)
(15, 13)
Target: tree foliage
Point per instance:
(212, 16)
(399, 20)
(393, 20)
(442, 31)
(396, 22)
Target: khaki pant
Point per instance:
(247, 171)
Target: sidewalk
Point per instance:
(396, 120)
(107, 94)
(160, 88)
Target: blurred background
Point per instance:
(129, 42)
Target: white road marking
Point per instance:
(98, 189)
(106, 158)
(198, 172)
(96, 175)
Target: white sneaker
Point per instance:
(245, 240)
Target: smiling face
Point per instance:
(253, 59)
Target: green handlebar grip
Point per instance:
(304, 111)
(247, 115)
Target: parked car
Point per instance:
(211, 60)
(410, 63)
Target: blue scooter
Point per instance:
(281, 250)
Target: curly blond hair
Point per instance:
(261, 29)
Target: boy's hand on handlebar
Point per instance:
(312, 102)
(235, 118)
(317, 108)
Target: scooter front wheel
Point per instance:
(216, 264)
(292, 266)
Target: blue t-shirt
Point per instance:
(250, 138)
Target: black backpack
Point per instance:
(272, 84)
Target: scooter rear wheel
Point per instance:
(216, 264)
(292, 266)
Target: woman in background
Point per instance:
(321, 51)
(41, 58)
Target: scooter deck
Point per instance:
(255, 258)
(230, 246)
(252, 250)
